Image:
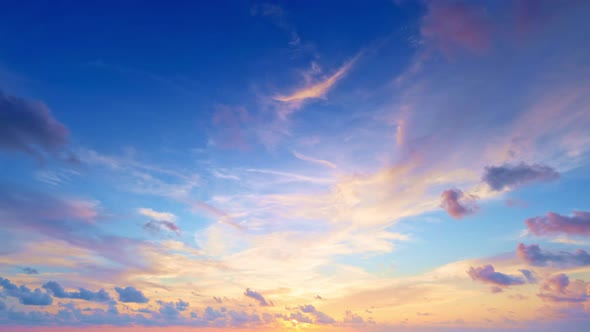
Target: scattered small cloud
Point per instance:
(457, 204)
(555, 223)
(258, 297)
(131, 295)
(487, 274)
(512, 176)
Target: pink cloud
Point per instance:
(452, 25)
(457, 204)
(554, 223)
(487, 274)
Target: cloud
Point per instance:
(169, 310)
(496, 289)
(453, 25)
(156, 226)
(457, 204)
(83, 294)
(533, 255)
(71, 220)
(24, 294)
(211, 314)
(529, 276)
(29, 270)
(317, 90)
(217, 299)
(511, 176)
(314, 160)
(350, 318)
(240, 318)
(554, 223)
(29, 126)
(182, 305)
(320, 317)
(257, 296)
(131, 294)
(557, 288)
(487, 274)
(157, 215)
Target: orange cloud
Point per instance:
(317, 90)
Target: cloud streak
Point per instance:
(533, 255)
(317, 90)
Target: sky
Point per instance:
(412, 166)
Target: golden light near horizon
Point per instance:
(255, 165)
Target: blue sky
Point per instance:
(382, 162)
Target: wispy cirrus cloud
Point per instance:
(312, 160)
(317, 89)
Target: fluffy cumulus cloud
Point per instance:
(29, 126)
(83, 294)
(512, 176)
(533, 255)
(131, 294)
(25, 295)
(487, 274)
(458, 204)
(555, 223)
(257, 296)
(558, 288)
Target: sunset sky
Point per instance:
(378, 166)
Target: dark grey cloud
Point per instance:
(29, 270)
(457, 204)
(555, 223)
(488, 274)
(257, 296)
(156, 226)
(511, 176)
(82, 294)
(533, 255)
(131, 294)
(25, 295)
(28, 126)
